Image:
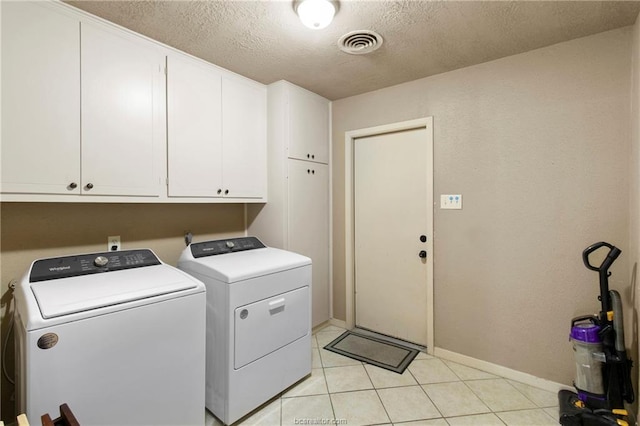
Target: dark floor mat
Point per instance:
(390, 356)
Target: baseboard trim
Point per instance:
(500, 370)
(338, 323)
(330, 321)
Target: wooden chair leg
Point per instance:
(67, 416)
(46, 420)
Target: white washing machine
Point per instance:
(258, 321)
(118, 336)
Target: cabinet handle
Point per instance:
(308, 171)
(313, 156)
(73, 185)
(313, 172)
(89, 186)
(308, 155)
(226, 191)
(219, 191)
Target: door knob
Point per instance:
(422, 254)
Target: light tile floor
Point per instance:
(431, 392)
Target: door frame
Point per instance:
(350, 137)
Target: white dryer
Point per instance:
(118, 336)
(258, 321)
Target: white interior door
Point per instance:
(392, 215)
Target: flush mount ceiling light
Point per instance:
(315, 14)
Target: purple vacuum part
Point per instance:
(586, 332)
(589, 397)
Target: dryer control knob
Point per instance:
(100, 261)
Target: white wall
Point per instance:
(538, 144)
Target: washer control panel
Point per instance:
(232, 245)
(85, 264)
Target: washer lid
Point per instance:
(83, 293)
(243, 265)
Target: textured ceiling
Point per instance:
(265, 41)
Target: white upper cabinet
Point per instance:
(308, 117)
(244, 138)
(122, 83)
(94, 112)
(216, 132)
(82, 105)
(40, 100)
(194, 122)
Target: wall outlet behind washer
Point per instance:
(113, 243)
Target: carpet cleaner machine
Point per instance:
(603, 369)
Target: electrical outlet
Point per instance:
(113, 243)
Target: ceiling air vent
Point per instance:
(360, 42)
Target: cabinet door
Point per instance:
(194, 128)
(308, 126)
(122, 107)
(308, 227)
(40, 99)
(244, 138)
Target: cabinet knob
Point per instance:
(219, 191)
(422, 254)
(308, 155)
(226, 191)
(89, 186)
(73, 185)
(423, 238)
(313, 172)
(308, 171)
(313, 156)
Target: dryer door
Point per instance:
(267, 325)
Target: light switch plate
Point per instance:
(451, 201)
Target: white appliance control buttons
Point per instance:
(230, 244)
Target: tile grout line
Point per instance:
(378, 395)
(326, 383)
(425, 392)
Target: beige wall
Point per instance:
(29, 231)
(538, 144)
(634, 185)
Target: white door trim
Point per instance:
(426, 123)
